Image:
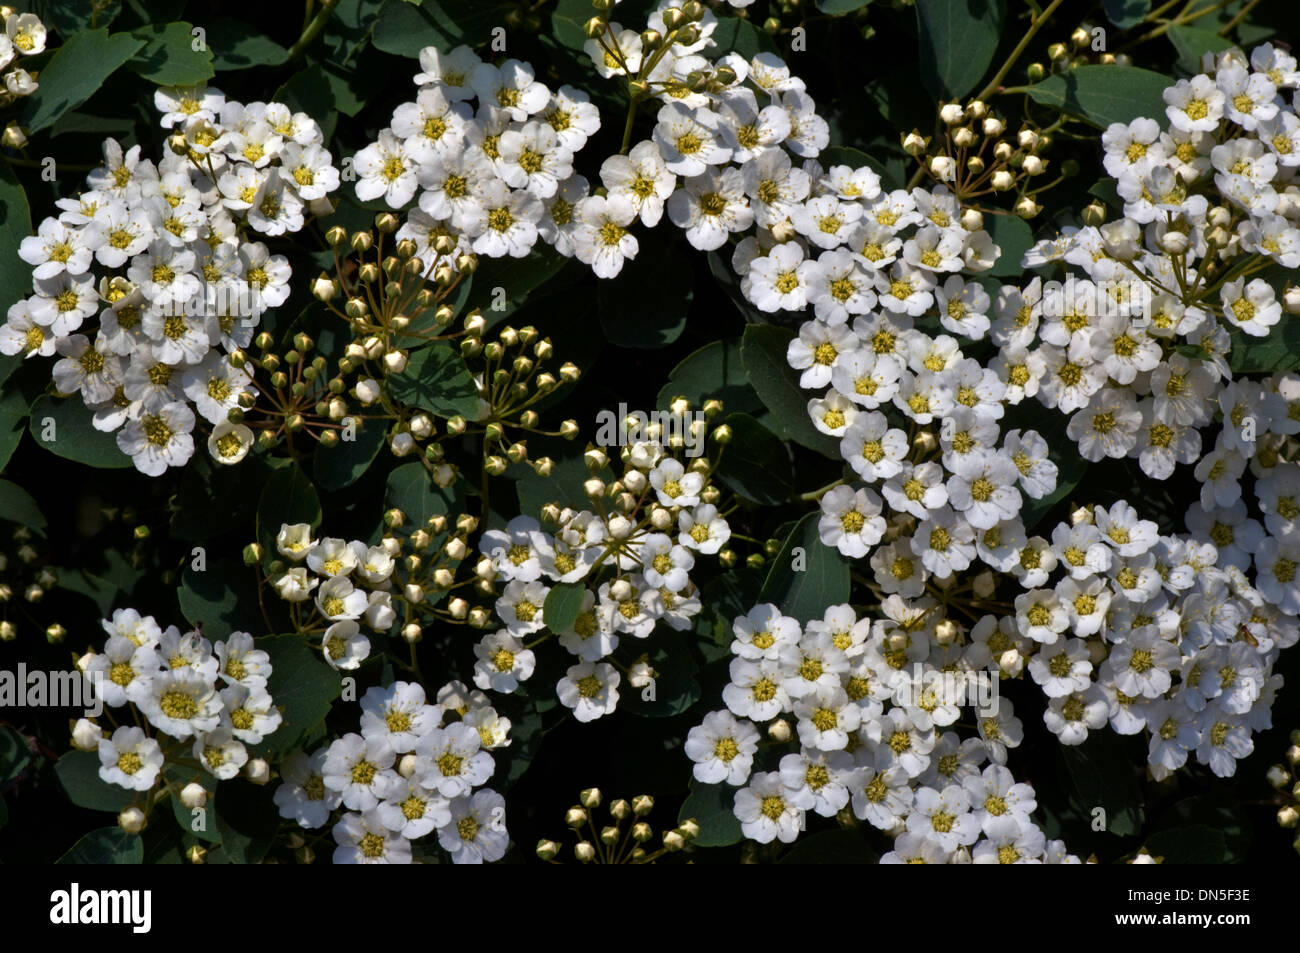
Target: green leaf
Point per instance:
(78, 772)
(716, 372)
(1105, 94)
(246, 824)
(803, 584)
(835, 7)
(14, 755)
(221, 599)
(567, 22)
(236, 45)
(1126, 14)
(1192, 41)
(74, 436)
(957, 40)
(763, 349)
(108, 845)
(169, 57)
(344, 463)
(17, 506)
(502, 285)
(412, 490)
(1102, 775)
(287, 497)
(1013, 236)
(15, 225)
(646, 305)
(734, 35)
(13, 413)
(77, 69)
(98, 590)
(67, 17)
(404, 28)
(712, 806)
(1279, 351)
(756, 464)
(303, 687)
(436, 380)
(562, 605)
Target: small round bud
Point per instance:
(131, 820)
(584, 852)
(547, 850)
(86, 735)
(642, 805)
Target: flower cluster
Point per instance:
(24, 35)
(145, 283)
(346, 583)
(868, 737)
(650, 538)
(493, 179)
(212, 699)
(415, 768)
(1162, 634)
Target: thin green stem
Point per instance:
(312, 30)
(1034, 26)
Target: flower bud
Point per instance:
(131, 820)
(194, 796)
(779, 731)
(257, 770)
(952, 114)
(86, 735)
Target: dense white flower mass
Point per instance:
(211, 696)
(147, 281)
(1123, 627)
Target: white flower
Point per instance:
(768, 810)
(589, 689)
(851, 521)
(179, 702)
(502, 663)
(476, 832)
(303, 797)
(510, 87)
(689, 139)
(365, 839)
(353, 768)
(710, 206)
(220, 753)
(600, 237)
(640, 178)
(344, 646)
(779, 280)
(129, 759)
(1252, 307)
(722, 748)
(387, 168)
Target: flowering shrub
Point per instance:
(629, 405)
